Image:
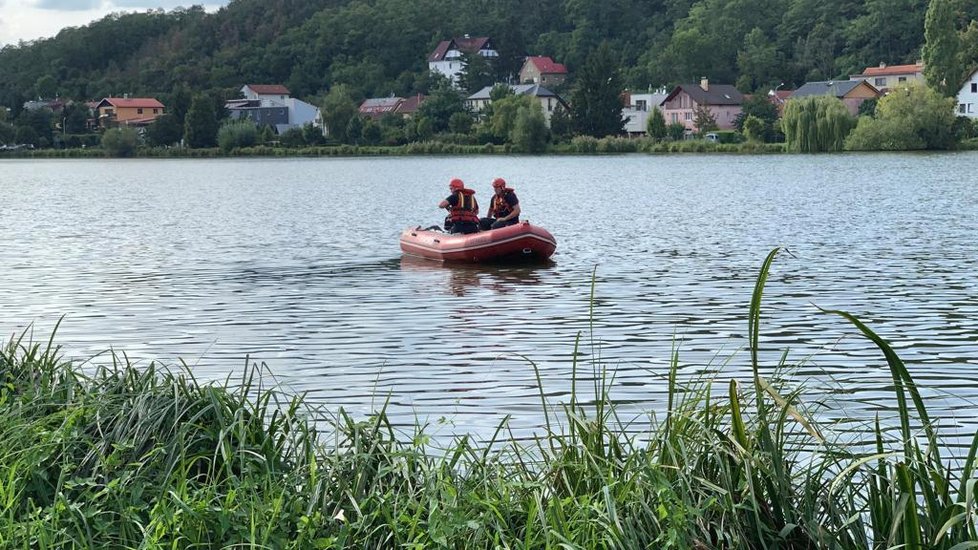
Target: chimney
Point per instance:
(882, 65)
(705, 84)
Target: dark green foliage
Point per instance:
(200, 126)
(704, 120)
(754, 129)
(443, 102)
(164, 131)
(338, 108)
(120, 142)
(676, 131)
(909, 118)
(596, 102)
(561, 125)
(237, 133)
(868, 108)
(760, 106)
(380, 47)
(477, 74)
(656, 125)
(460, 123)
(529, 133)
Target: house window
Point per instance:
(689, 116)
(675, 118)
(961, 108)
(974, 88)
(139, 111)
(156, 111)
(902, 79)
(969, 107)
(880, 82)
(641, 105)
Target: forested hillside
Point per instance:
(379, 47)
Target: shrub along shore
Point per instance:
(582, 145)
(125, 457)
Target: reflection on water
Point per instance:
(275, 260)
(460, 278)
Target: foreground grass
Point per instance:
(147, 458)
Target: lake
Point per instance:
(295, 263)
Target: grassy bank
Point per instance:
(589, 146)
(149, 458)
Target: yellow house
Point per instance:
(127, 111)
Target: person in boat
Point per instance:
(504, 209)
(463, 209)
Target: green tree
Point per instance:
(166, 130)
(7, 132)
(941, 48)
(120, 142)
(676, 131)
(460, 123)
(371, 133)
(338, 109)
(596, 101)
(237, 133)
(816, 124)
(759, 62)
(656, 127)
(354, 130)
(439, 107)
(477, 73)
(200, 126)
(704, 120)
(46, 87)
(530, 132)
(908, 118)
(755, 129)
(75, 118)
(561, 125)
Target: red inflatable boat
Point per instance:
(521, 241)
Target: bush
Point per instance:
(909, 118)
(120, 142)
(236, 134)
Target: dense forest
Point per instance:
(379, 47)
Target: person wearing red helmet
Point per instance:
(504, 209)
(463, 209)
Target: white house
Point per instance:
(638, 108)
(447, 57)
(968, 97)
(549, 101)
(272, 105)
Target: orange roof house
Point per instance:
(885, 77)
(126, 111)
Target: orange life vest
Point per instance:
(466, 209)
(501, 208)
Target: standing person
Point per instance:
(504, 209)
(463, 209)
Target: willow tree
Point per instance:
(816, 124)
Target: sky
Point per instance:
(32, 19)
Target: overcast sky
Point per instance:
(31, 19)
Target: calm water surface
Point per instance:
(295, 263)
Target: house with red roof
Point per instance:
(542, 70)
(886, 76)
(127, 111)
(447, 58)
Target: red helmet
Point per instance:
(456, 185)
(498, 182)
